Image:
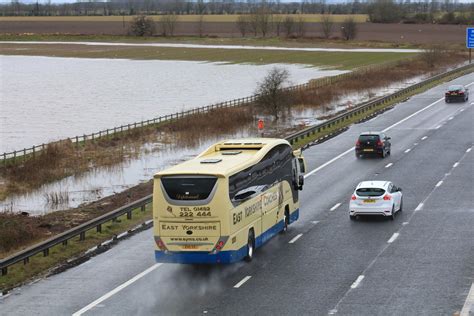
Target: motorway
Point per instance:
(422, 263)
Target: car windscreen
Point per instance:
(370, 192)
(188, 188)
(368, 138)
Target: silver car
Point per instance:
(376, 198)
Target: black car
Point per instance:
(373, 143)
(456, 93)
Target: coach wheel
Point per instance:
(250, 247)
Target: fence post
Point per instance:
(129, 215)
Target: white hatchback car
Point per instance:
(376, 198)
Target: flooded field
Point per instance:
(102, 182)
(45, 99)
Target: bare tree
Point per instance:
(264, 17)
(300, 26)
(271, 96)
(142, 26)
(327, 25)
(254, 22)
(243, 24)
(200, 25)
(349, 29)
(432, 55)
(168, 24)
(277, 24)
(288, 25)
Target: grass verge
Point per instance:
(337, 60)
(19, 273)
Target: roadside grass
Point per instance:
(38, 265)
(205, 40)
(231, 18)
(338, 60)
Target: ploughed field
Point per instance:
(396, 33)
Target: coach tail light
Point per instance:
(160, 244)
(220, 244)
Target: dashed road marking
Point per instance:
(419, 207)
(384, 130)
(117, 289)
(450, 118)
(415, 144)
(405, 223)
(335, 207)
(389, 165)
(456, 164)
(439, 183)
(469, 149)
(314, 222)
(332, 312)
(438, 127)
(242, 281)
(424, 137)
(357, 282)
(407, 150)
(295, 239)
(394, 236)
(469, 304)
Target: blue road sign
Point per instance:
(470, 37)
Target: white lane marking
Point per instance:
(405, 223)
(419, 207)
(414, 144)
(242, 281)
(407, 151)
(450, 118)
(469, 304)
(332, 312)
(456, 164)
(329, 162)
(385, 130)
(117, 289)
(469, 149)
(335, 207)
(389, 165)
(462, 110)
(295, 239)
(314, 222)
(439, 183)
(410, 116)
(394, 236)
(357, 282)
(438, 127)
(424, 137)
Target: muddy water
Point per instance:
(46, 98)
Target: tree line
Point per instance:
(379, 11)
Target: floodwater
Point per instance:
(105, 181)
(43, 99)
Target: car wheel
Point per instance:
(446, 100)
(353, 218)
(401, 205)
(392, 216)
(383, 154)
(250, 247)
